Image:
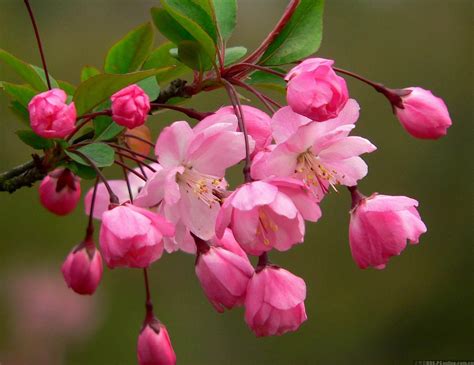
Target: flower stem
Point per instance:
(124, 166)
(114, 145)
(188, 111)
(148, 303)
(356, 196)
(90, 223)
(262, 97)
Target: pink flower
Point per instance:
(82, 269)
(319, 154)
(154, 346)
(423, 115)
(130, 106)
(223, 270)
(274, 303)
(257, 123)
(261, 217)
(132, 236)
(50, 116)
(193, 163)
(60, 191)
(380, 226)
(315, 91)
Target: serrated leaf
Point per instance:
(33, 140)
(100, 154)
(225, 13)
(20, 93)
(191, 54)
(99, 88)
(129, 53)
(267, 80)
(88, 71)
(233, 54)
(24, 70)
(300, 37)
(106, 129)
(161, 57)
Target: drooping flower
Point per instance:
(322, 155)
(191, 180)
(223, 270)
(130, 106)
(380, 227)
(154, 345)
(60, 191)
(132, 237)
(50, 116)
(274, 303)
(315, 91)
(82, 269)
(261, 217)
(423, 115)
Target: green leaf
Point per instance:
(300, 37)
(83, 171)
(88, 71)
(20, 111)
(24, 70)
(190, 53)
(35, 141)
(161, 57)
(100, 154)
(233, 54)
(20, 93)
(99, 88)
(150, 87)
(268, 81)
(40, 72)
(225, 13)
(106, 129)
(69, 88)
(129, 53)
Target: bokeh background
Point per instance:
(419, 307)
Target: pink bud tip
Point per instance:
(130, 106)
(60, 191)
(50, 116)
(154, 346)
(82, 269)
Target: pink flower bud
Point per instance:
(132, 236)
(315, 91)
(380, 226)
(50, 116)
(274, 303)
(60, 191)
(130, 106)
(154, 346)
(224, 271)
(82, 269)
(423, 115)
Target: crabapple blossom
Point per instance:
(423, 115)
(315, 91)
(60, 191)
(193, 167)
(274, 303)
(223, 270)
(320, 154)
(261, 217)
(82, 269)
(154, 345)
(50, 116)
(380, 227)
(130, 106)
(132, 237)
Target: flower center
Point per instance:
(314, 174)
(206, 188)
(265, 226)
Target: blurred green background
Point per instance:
(420, 307)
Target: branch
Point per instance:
(23, 175)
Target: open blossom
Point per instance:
(60, 191)
(261, 217)
(315, 91)
(224, 271)
(82, 269)
(154, 345)
(423, 115)
(192, 176)
(50, 116)
(380, 227)
(274, 303)
(322, 155)
(130, 106)
(257, 124)
(132, 237)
